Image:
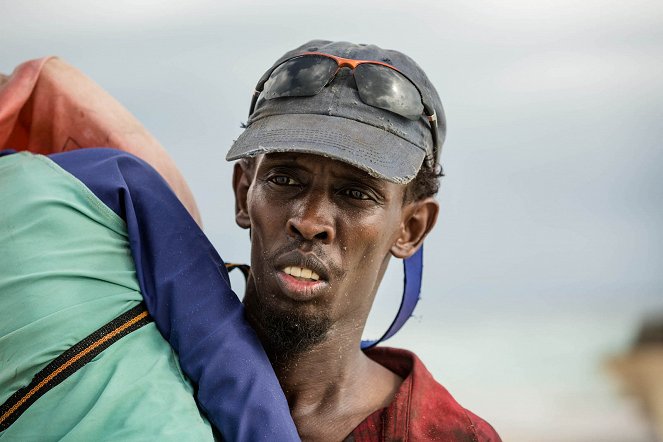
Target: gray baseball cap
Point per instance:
(336, 123)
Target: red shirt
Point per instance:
(422, 409)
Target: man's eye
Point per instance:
(357, 194)
(283, 180)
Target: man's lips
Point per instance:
(300, 289)
(305, 266)
(301, 276)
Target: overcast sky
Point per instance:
(549, 247)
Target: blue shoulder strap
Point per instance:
(413, 268)
(187, 291)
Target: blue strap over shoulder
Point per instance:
(187, 291)
(413, 268)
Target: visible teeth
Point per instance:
(301, 272)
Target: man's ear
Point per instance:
(419, 217)
(241, 182)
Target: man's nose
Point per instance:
(314, 221)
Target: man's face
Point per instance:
(322, 232)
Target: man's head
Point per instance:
(338, 173)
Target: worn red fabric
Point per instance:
(48, 106)
(422, 410)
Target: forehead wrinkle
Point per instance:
(279, 157)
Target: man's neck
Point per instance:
(333, 387)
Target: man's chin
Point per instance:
(287, 333)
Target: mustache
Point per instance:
(302, 246)
(312, 256)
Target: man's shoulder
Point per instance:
(423, 408)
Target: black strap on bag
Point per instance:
(244, 268)
(70, 361)
(77, 356)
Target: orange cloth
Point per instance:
(48, 106)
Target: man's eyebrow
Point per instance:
(279, 158)
(355, 174)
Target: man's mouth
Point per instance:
(302, 276)
(301, 273)
(301, 283)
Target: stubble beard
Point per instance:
(286, 334)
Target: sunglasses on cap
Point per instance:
(379, 85)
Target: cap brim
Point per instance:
(376, 151)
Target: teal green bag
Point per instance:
(65, 271)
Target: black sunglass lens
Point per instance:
(300, 77)
(383, 87)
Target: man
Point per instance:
(338, 169)
(324, 223)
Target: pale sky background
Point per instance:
(549, 248)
